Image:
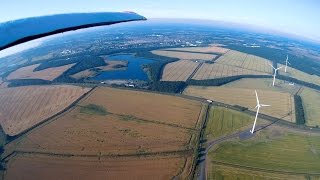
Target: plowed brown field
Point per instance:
(24, 107)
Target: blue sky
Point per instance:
(300, 17)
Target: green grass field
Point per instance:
(273, 148)
(223, 121)
(222, 172)
(93, 109)
(311, 105)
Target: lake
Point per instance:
(134, 70)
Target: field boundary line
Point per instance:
(176, 152)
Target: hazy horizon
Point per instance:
(289, 16)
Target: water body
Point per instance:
(134, 70)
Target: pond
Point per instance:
(134, 70)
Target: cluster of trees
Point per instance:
(300, 118)
(155, 69)
(168, 86)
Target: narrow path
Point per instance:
(195, 71)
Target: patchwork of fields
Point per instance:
(112, 130)
(28, 72)
(282, 104)
(23, 107)
(179, 70)
(245, 61)
(230, 63)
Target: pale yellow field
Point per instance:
(178, 70)
(263, 84)
(46, 74)
(110, 67)
(23, 107)
(185, 55)
(311, 105)
(210, 49)
(282, 104)
(294, 73)
(216, 70)
(246, 61)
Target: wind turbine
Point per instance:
(275, 73)
(258, 108)
(287, 62)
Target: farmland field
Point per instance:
(223, 121)
(273, 148)
(113, 131)
(217, 70)
(311, 105)
(179, 70)
(282, 104)
(50, 167)
(210, 49)
(161, 108)
(24, 107)
(89, 134)
(294, 73)
(263, 84)
(246, 61)
(46, 74)
(185, 55)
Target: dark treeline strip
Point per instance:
(168, 86)
(300, 118)
(27, 82)
(224, 80)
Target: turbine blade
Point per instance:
(257, 97)
(271, 65)
(289, 63)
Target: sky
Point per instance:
(298, 17)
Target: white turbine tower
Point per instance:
(275, 73)
(258, 108)
(287, 62)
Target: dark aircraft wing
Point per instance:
(23, 30)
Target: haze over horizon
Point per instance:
(288, 16)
